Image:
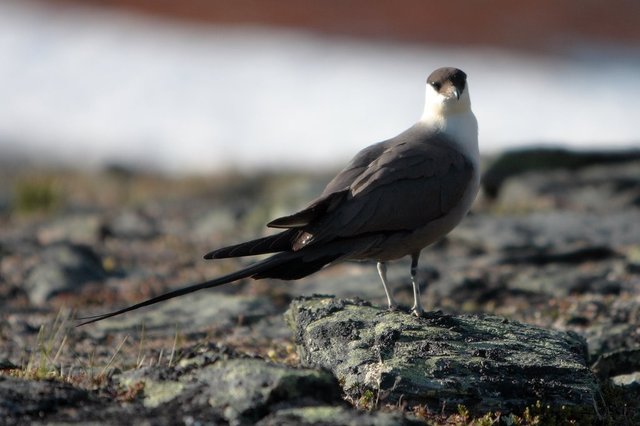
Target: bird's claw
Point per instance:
(418, 311)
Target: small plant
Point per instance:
(489, 419)
(463, 412)
(131, 393)
(51, 340)
(44, 361)
(176, 343)
(36, 195)
(529, 418)
(105, 370)
(367, 400)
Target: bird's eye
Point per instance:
(436, 85)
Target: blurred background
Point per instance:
(137, 135)
(192, 87)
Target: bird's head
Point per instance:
(447, 93)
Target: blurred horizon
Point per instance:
(156, 86)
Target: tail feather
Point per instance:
(297, 268)
(286, 265)
(270, 244)
(253, 270)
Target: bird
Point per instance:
(393, 199)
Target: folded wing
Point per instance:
(406, 183)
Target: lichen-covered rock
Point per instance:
(483, 362)
(246, 390)
(332, 415)
(227, 385)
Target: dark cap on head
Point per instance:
(440, 77)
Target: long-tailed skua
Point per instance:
(393, 199)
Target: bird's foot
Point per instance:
(390, 309)
(393, 307)
(418, 311)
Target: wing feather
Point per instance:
(407, 186)
(397, 185)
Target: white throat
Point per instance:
(454, 118)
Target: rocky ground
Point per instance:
(534, 306)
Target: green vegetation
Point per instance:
(36, 195)
(52, 357)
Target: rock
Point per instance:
(486, 363)
(520, 161)
(553, 253)
(584, 190)
(573, 255)
(616, 363)
(213, 224)
(131, 224)
(236, 388)
(617, 334)
(76, 228)
(627, 381)
(557, 231)
(23, 399)
(246, 390)
(192, 313)
(6, 364)
(62, 267)
(332, 415)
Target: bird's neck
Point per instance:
(460, 126)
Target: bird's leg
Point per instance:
(417, 309)
(382, 271)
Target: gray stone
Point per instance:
(542, 160)
(247, 390)
(627, 381)
(617, 363)
(335, 416)
(132, 224)
(486, 363)
(213, 224)
(24, 399)
(239, 389)
(611, 337)
(584, 190)
(62, 267)
(191, 313)
(77, 228)
(555, 230)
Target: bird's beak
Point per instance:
(456, 92)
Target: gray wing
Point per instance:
(397, 185)
(409, 185)
(356, 166)
(335, 190)
(339, 186)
